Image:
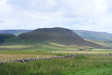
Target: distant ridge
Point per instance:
(92, 35)
(15, 32)
(59, 35)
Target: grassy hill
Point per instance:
(92, 35)
(57, 35)
(5, 37)
(46, 39)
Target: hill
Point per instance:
(5, 37)
(58, 35)
(15, 32)
(92, 35)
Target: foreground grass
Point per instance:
(96, 61)
(80, 65)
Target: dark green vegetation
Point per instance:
(80, 65)
(92, 35)
(5, 37)
(57, 35)
(60, 35)
(45, 35)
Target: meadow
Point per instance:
(79, 65)
(88, 61)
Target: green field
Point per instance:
(88, 61)
(80, 65)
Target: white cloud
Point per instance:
(74, 14)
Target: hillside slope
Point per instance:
(5, 37)
(58, 35)
(92, 35)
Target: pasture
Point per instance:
(86, 62)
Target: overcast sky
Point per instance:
(94, 15)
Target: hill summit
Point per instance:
(58, 35)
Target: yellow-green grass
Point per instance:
(13, 52)
(7, 55)
(103, 43)
(15, 46)
(42, 46)
(83, 52)
(12, 57)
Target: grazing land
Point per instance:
(86, 62)
(79, 65)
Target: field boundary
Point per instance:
(36, 59)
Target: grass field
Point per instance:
(80, 65)
(16, 52)
(87, 62)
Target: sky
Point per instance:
(93, 15)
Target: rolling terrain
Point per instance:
(53, 51)
(5, 37)
(58, 35)
(92, 35)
